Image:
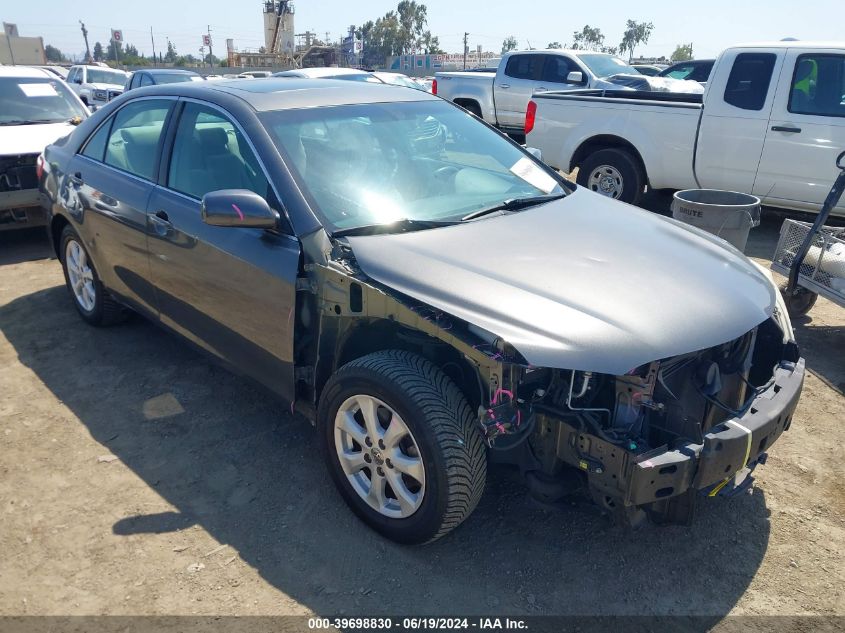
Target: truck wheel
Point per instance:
(90, 297)
(799, 303)
(614, 173)
(401, 445)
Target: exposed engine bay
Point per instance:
(618, 430)
(19, 199)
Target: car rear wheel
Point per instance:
(614, 173)
(401, 445)
(91, 299)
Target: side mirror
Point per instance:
(575, 77)
(78, 80)
(238, 207)
(536, 153)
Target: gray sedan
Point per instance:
(428, 294)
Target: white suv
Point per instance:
(96, 85)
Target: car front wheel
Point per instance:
(402, 447)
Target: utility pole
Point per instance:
(466, 37)
(153, 41)
(210, 52)
(85, 35)
(8, 34)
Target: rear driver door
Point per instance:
(229, 290)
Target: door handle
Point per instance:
(541, 89)
(161, 222)
(786, 128)
(504, 86)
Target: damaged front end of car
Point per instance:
(644, 444)
(650, 442)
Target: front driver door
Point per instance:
(514, 87)
(229, 290)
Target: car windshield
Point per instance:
(425, 161)
(36, 100)
(175, 78)
(606, 65)
(103, 76)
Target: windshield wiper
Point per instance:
(32, 121)
(514, 204)
(399, 226)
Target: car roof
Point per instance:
(274, 93)
(315, 73)
(166, 71)
(25, 71)
(791, 44)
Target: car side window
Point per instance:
(95, 147)
(210, 154)
(557, 69)
(818, 85)
(524, 66)
(748, 83)
(133, 144)
(71, 77)
(146, 80)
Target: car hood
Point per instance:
(30, 139)
(583, 283)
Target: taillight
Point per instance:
(39, 166)
(530, 116)
(434, 87)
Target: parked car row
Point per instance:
(501, 97)
(427, 293)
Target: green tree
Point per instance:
(53, 54)
(683, 52)
(636, 33)
(510, 44)
(555, 45)
(588, 39)
(110, 51)
(171, 55)
(98, 52)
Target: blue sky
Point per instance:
(711, 25)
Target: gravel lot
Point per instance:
(138, 478)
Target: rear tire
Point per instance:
(439, 444)
(614, 173)
(90, 297)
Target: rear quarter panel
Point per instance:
(663, 135)
(475, 86)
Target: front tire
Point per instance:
(800, 302)
(614, 173)
(401, 445)
(90, 297)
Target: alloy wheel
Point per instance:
(379, 455)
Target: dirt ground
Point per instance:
(138, 478)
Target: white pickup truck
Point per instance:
(501, 98)
(771, 123)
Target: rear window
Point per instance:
(524, 66)
(748, 84)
